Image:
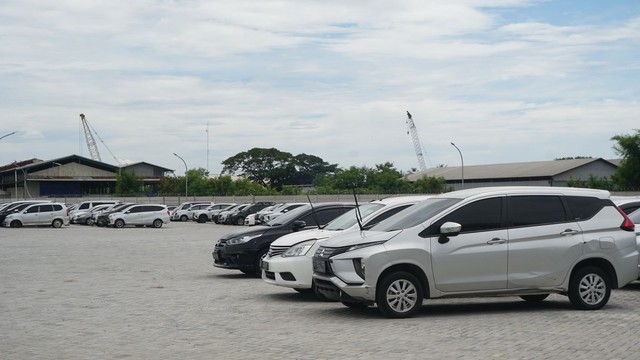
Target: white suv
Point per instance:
(51, 214)
(509, 241)
(141, 215)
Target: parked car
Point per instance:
(17, 206)
(279, 211)
(221, 218)
(181, 213)
(289, 260)
(88, 205)
(51, 214)
(153, 215)
(244, 249)
(102, 219)
(523, 241)
(204, 215)
(628, 204)
(237, 217)
(86, 217)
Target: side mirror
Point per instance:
(298, 224)
(448, 229)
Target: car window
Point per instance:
(348, 219)
(480, 215)
(536, 210)
(136, 209)
(31, 210)
(46, 208)
(584, 207)
(385, 215)
(323, 216)
(57, 207)
(416, 214)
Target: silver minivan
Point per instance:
(511, 241)
(50, 214)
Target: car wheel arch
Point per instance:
(601, 263)
(413, 269)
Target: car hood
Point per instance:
(296, 237)
(244, 232)
(349, 238)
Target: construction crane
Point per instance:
(416, 141)
(91, 142)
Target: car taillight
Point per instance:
(67, 212)
(627, 224)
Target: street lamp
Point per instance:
(461, 160)
(186, 178)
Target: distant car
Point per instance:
(181, 213)
(222, 217)
(17, 206)
(237, 217)
(628, 204)
(86, 217)
(153, 215)
(244, 249)
(102, 219)
(88, 205)
(204, 215)
(279, 211)
(51, 214)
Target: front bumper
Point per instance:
(291, 272)
(335, 289)
(234, 260)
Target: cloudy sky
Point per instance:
(505, 80)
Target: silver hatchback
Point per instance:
(508, 241)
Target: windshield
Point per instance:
(348, 219)
(289, 216)
(415, 215)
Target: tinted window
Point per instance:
(31, 210)
(57, 207)
(348, 219)
(481, 215)
(83, 206)
(323, 216)
(583, 207)
(385, 215)
(136, 209)
(536, 210)
(46, 208)
(151, 208)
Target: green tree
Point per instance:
(627, 176)
(430, 185)
(267, 167)
(593, 182)
(128, 184)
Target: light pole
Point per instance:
(461, 160)
(186, 178)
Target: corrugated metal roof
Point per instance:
(534, 169)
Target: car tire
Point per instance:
(15, 224)
(257, 271)
(304, 291)
(101, 223)
(589, 288)
(89, 221)
(157, 223)
(399, 295)
(184, 218)
(119, 223)
(57, 223)
(202, 218)
(534, 298)
(240, 221)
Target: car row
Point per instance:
(504, 241)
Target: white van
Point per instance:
(505, 241)
(141, 215)
(51, 214)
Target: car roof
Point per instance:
(525, 190)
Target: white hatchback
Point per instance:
(50, 214)
(154, 215)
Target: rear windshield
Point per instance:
(289, 216)
(415, 215)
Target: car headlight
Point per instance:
(299, 249)
(360, 246)
(242, 239)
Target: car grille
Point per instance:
(277, 250)
(321, 262)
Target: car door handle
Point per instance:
(569, 232)
(496, 241)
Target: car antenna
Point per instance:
(313, 212)
(358, 214)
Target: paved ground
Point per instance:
(94, 293)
